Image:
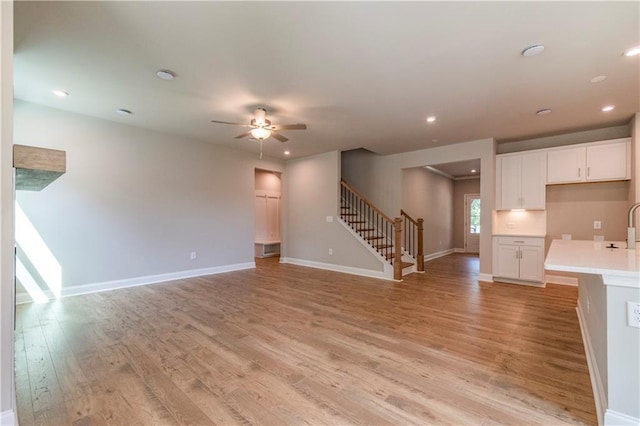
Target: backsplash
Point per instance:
(531, 222)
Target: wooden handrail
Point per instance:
(377, 210)
(405, 214)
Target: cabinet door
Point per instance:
(534, 173)
(508, 262)
(510, 177)
(566, 165)
(531, 262)
(607, 162)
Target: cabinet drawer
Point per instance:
(521, 241)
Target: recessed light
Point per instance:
(608, 108)
(633, 52)
(598, 78)
(533, 50)
(166, 75)
(544, 111)
(287, 153)
(473, 170)
(122, 111)
(60, 93)
(431, 119)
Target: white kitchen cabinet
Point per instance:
(609, 161)
(518, 258)
(566, 165)
(593, 162)
(520, 181)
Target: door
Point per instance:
(531, 260)
(534, 174)
(565, 165)
(510, 177)
(607, 161)
(472, 223)
(508, 261)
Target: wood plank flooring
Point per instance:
(283, 344)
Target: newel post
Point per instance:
(397, 248)
(420, 245)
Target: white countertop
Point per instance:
(617, 266)
(518, 234)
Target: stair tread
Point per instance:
(356, 221)
(374, 237)
(349, 214)
(365, 229)
(407, 264)
(383, 246)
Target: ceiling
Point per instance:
(459, 169)
(359, 74)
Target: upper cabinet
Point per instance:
(520, 181)
(593, 162)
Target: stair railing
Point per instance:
(383, 233)
(413, 241)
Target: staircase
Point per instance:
(383, 234)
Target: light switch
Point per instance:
(597, 224)
(329, 218)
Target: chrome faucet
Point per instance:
(631, 230)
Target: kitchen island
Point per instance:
(608, 278)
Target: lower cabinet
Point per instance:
(518, 258)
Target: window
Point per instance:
(474, 216)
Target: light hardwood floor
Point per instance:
(284, 344)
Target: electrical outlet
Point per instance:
(330, 252)
(633, 314)
(597, 224)
(329, 218)
(193, 255)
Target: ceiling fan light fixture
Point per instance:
(260, 116)
(260, 133)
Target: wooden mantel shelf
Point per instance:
(37, 167)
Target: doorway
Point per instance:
(267, 213)
(472, 223)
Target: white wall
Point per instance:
(312, 188)
(6, 213)
(136, 203)
(383, 185)
(429, 195)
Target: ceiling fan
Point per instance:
(261, 128)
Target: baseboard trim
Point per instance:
(485, 277)
(619, 419)
(8, 418)
(428, 257)
(336, 268)
(138, 281)
(594, 374)
(561, 280)
(459, 250)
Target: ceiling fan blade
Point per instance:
(243, 135)
(298, 126)
(279, 136)
(227, 122)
